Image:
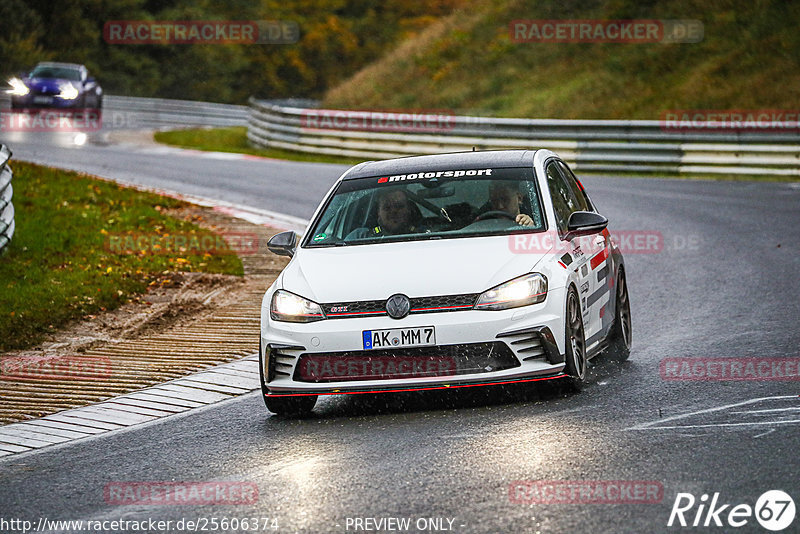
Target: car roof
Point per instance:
(76, 66)
(439, 162)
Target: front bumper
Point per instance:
(35, 102)
(531, 339)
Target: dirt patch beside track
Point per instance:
(184, 323)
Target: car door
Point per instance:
(597, 249)
(573, 253)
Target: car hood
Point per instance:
(416, 269)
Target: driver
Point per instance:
(505, 196)
(396, 215)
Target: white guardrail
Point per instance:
(129, 112)
(121, 112)
(6, 207)
(138, 112)
(593, 146)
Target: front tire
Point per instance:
(575, 342)
(291, 406)
(97, 103)
(619, 348)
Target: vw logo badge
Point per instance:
(398, 306)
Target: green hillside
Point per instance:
(467, 62)
(336, 38)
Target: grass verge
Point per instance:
(234, 139)
(62, 263)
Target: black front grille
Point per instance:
(444, 303)
(364, 308)
(377, 308)
(444, 360)
(46, 91)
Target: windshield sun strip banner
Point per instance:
(434, 174)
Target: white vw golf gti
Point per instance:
(475, 268)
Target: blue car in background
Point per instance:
(56, 85)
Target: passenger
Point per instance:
(505, 196)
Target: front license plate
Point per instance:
(399, 337)
(43, 99)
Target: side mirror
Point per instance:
(283, 244)
(585, 223)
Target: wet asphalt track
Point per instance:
(725, 284)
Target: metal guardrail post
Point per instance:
(7, 224)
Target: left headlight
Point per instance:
(522, 291)
(292, 308)
(68, 92)
(18, 87)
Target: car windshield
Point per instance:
(60, 73)
(429, 205)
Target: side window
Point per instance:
(577, 192)
(559, 192)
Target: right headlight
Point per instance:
(68, 92)
(522, 291)
(293, 308)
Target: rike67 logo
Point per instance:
(774, 510)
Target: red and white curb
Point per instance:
(183, 394)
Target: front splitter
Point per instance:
(395, 389)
